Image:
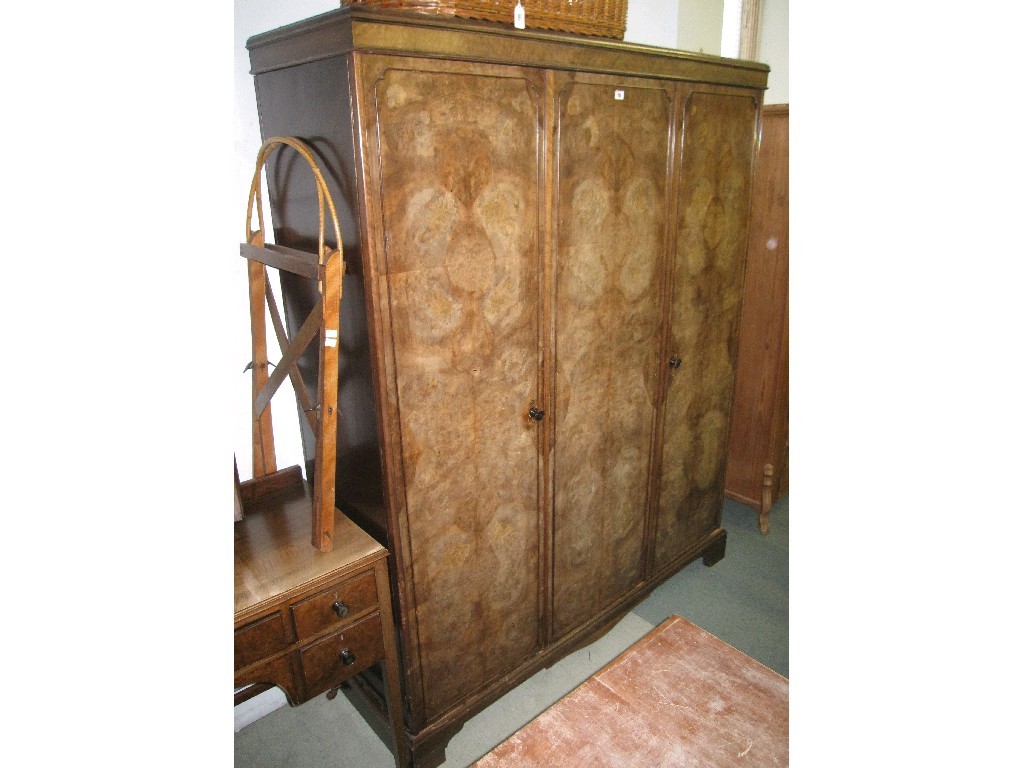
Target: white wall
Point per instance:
(773, 49)
(652, 22)
(699, 26)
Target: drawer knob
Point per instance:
(347, 657)
(340, 608)
(536, 413)
(674, 361)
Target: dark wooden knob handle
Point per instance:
(536, 413)
(674, 361)
(347, 657)
(340, 608)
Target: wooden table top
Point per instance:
(678, 697)
(274, 554)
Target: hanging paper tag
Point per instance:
(519, 15)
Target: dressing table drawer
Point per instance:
(260, 639)
(332, 660)
(335, 606)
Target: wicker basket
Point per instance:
(603, 18)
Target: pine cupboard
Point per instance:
(756, 472)
(545, 237)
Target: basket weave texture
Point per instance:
(602, 18)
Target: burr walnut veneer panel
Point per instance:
(548, 235)
(707, 283)
(460, 182)
(613, 140)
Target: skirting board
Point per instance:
(251, 710)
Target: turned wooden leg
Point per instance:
(766, 499)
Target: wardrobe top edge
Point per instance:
(374, 30)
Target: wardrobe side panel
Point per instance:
(459, 199)
(311, 102)
(612, 148)
(718, 132)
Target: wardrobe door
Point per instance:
(459, 192)
(718, 133)
(612, 143)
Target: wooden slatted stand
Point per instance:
(307, 619)
(326, 267)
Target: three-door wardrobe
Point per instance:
(545, 237)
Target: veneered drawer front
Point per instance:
(324, 662)
(316, 613)
(259, 639)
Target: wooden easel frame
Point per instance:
(326, 266)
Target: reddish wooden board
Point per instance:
(678, 697)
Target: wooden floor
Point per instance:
(679, 696)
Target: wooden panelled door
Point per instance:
(460, 182)
(718, 132)
(612, 142)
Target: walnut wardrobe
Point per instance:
(545, 237)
